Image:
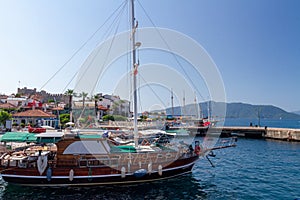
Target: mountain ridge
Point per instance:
(236, 110)
(296, 112)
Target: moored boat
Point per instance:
(36, 129)
(94, 161)
(85, 161)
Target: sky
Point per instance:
(254, 44)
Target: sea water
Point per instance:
(275, 123)
(255, 169)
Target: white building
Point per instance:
(17, 101)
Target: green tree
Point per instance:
(108, 117)
(96, 99)
(119, 118)
(83, 95)
(143, 118)
(70, 93)
(4, 116)
(64, 118)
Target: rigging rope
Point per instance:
(108, 52)
(81, 47)
(108, 32)
(116, 22)
(170, 50)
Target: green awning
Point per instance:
(90, 136)
(125, 149)
(18, 137)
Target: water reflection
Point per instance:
(183, 187)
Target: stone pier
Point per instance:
(283, 134)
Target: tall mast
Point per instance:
(172, 102)
(183, 103)
(135, 113)
(196, 106)
(208, 109)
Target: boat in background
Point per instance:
(36, 129)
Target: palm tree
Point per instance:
(83, 95)
(96, 99)
(70, 93)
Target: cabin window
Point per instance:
(104, 161)
(159, 156)
(168, 155)
(82, 163)
(94, 163)
(13, 163)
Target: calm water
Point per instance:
(263, 122)
(255, 169)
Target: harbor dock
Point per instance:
(286, 134)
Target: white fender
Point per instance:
(42, 163)
(128, 165)
(150, 168)
(71, 174)
(123, 171)
(160, 170)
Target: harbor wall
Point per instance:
(283, 134)
(286, 134)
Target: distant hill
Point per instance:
(297, 112)
(241, 110)
(238, 110)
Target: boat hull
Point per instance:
(36, 130)
(89, 180)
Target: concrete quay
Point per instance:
(286, 134)
(283, 134)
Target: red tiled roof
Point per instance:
(33, 113)
(57, 108)
(7, 106)
(102, 108)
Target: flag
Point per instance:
(135, 69)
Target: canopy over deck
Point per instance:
(18, 137)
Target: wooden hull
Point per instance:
(101, 164)
(93, 176)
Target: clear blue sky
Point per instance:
(255, 44)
